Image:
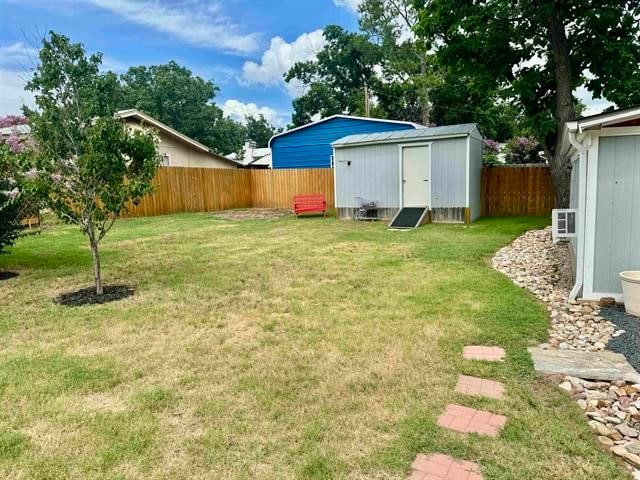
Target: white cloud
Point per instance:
(112, 64)
(280, 57)
(16, 60)
(197, 22)
(12, 94)
(238, 110)
(351, 5)
(17, 56)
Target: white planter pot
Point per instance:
(631, 291)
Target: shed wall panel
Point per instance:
(311, 147)
(475, 176)
(617, 233)
(372, 174)
(448, 172)
(573, 203)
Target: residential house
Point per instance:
(252, 156)
(178, 149)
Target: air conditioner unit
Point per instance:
(563, 223)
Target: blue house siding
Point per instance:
(310, 147)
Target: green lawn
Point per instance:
(273, 349)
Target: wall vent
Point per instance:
(563, 223)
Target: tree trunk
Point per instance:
(96, 267)
(564, 110)
(93, 243)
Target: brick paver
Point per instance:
(443, 467)
(478, 352)
(467, 420)
(480, 387)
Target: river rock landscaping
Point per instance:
(533, 262)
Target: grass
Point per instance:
(280, 349)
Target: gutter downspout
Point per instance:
(582, 149)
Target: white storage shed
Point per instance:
(421, 175)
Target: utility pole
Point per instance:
(366, 100)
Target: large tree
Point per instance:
(336, 79)
(456, 101)
(404, 81)
(259, 130)
(408, 65)
(538, 52)
(87, 164)
(184, 101)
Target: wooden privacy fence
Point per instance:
(514, 190)
(506, 191)
(180, 189)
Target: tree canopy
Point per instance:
(335, 80)
(536, 54)
(172, 94)
(86, 164)
(185, 102)
(404, 81)
(259, 130)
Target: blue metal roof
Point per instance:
(309, 146)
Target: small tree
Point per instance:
(88, 164)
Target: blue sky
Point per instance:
(244, 46)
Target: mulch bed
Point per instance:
(628, 343)
(8, 275)
(88, 296)
(254, 214)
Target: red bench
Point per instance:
(309, 204)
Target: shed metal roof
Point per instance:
(408, 135)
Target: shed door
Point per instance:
(415, 176)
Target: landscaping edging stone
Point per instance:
(533, 262)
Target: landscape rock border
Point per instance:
(533, 262)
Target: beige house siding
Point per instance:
(181, 154)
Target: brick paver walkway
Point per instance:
(467, 420)
(478, 352)
(443, 467)
(480, 387)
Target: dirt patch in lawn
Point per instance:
(88, 296)
(8, 275)
(254, 214)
